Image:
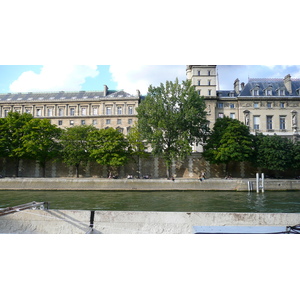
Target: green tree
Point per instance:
(108, 147)
(137, 147)
(229, 141)
(11, 133)
(172, 118)
(75, 150)
(40, 141)
(274, 152)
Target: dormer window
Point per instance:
(281, 92)
(268, 92)
(298, 92)
(255, 90)
(231, 94)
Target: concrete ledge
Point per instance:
(141, 184)
(128, 222)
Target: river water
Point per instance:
(180, 201)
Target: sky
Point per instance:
(45, 78)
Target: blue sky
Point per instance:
(30, 78)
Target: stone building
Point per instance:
(267, 105)
(107, 108)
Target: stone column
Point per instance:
(37, 169)
(242, 166)
(53, 169)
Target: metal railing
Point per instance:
(30, 205)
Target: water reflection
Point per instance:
(189, 201)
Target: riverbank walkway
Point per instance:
(211, 184)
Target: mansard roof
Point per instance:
(40, 96)
(226, 93)
(270, 83)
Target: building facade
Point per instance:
(267, 105)
(101, 109)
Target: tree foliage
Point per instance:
(137, 147)
(108, 147)
(11, 133)
(75, 150)
(41, 141)
(274, 152)
(172, 118)
(229, 141)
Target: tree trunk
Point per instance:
(77, 170)
(17, 167)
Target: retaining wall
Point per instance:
(142, 184)
(128, 222)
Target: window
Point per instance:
(5, 113)
(94, 122)
(255, 92)
(107, 121)
(209, 92)
(281, 93)
(28, 111)
(256, 121)
(269, 105)
(108, 110)
(220, 115)
(282, 105)
(256, 105)
(119, 121)
(199, 82)
(231, 105)
(269, 122)
(130, 110)
(119, 110)
(59, 122)
(268, 92)
(71, 122)
(232, 115)
(129, 121)
(82, 122)
(208, 73)
(220, 105)
(282, 123)
(199, 92)
(72, 111)
(120, 129)
(198, 73)
(60, 112)
(49, 112)
(38, 112)
(208, 82)
(83, 111)
(95, 111)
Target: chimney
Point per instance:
(105, 90)
(242, 85)
(138, 93)
(288, 83)
(237, 86)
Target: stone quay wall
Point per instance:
(129, 222)
(213, 184)
(152, 166)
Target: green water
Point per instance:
(190, 201)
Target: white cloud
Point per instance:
(139, 77)
(54, 78)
